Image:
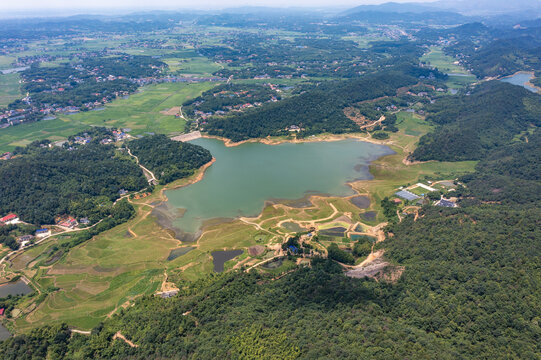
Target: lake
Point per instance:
(18, 288)
(521, 79)
(244, 177)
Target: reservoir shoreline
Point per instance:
(289, 182)
(313, 139)
(528, 85)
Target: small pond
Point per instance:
(334, 232)
(13, 289)
(4, 333)
(362, 202)
(369, 215)
(219, 258)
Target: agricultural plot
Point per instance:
(97, 277)
(189, 62)
(6, 61)
(9, 89)
(141, 112)
(412, 124)
(22, 135)
(446, 64)
(456, 82)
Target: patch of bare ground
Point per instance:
(173, 111)
(390, 274)
(375, 267)
(256, 250)
(369, 270)
(166, 285)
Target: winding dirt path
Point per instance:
(119, 335)
(149, 174)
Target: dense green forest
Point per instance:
(169, 160)
(471, 125)
(315, 111)
(509, 175)
(43, 182)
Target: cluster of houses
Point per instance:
(175, 79)
(118, 135)
(239, 107)
(12, 117)
(66, 221)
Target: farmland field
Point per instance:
(9, 89)
(444, 63)
(140, 112)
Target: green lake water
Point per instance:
(245, 176)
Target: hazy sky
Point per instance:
(175, 4)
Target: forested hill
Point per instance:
(470, 126)
(469, 291)
(169, 160)
(42, 182)
(316, 111)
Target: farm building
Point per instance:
(446, 203)
(405, 194)
(10, 219)
(426, 187)
(41, 233)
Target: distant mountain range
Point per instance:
(464, 7)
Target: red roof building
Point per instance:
(9, 217)
(1, 311)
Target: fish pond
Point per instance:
(14, 289)
(244, 177)
(219, 258)
(4, 333)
